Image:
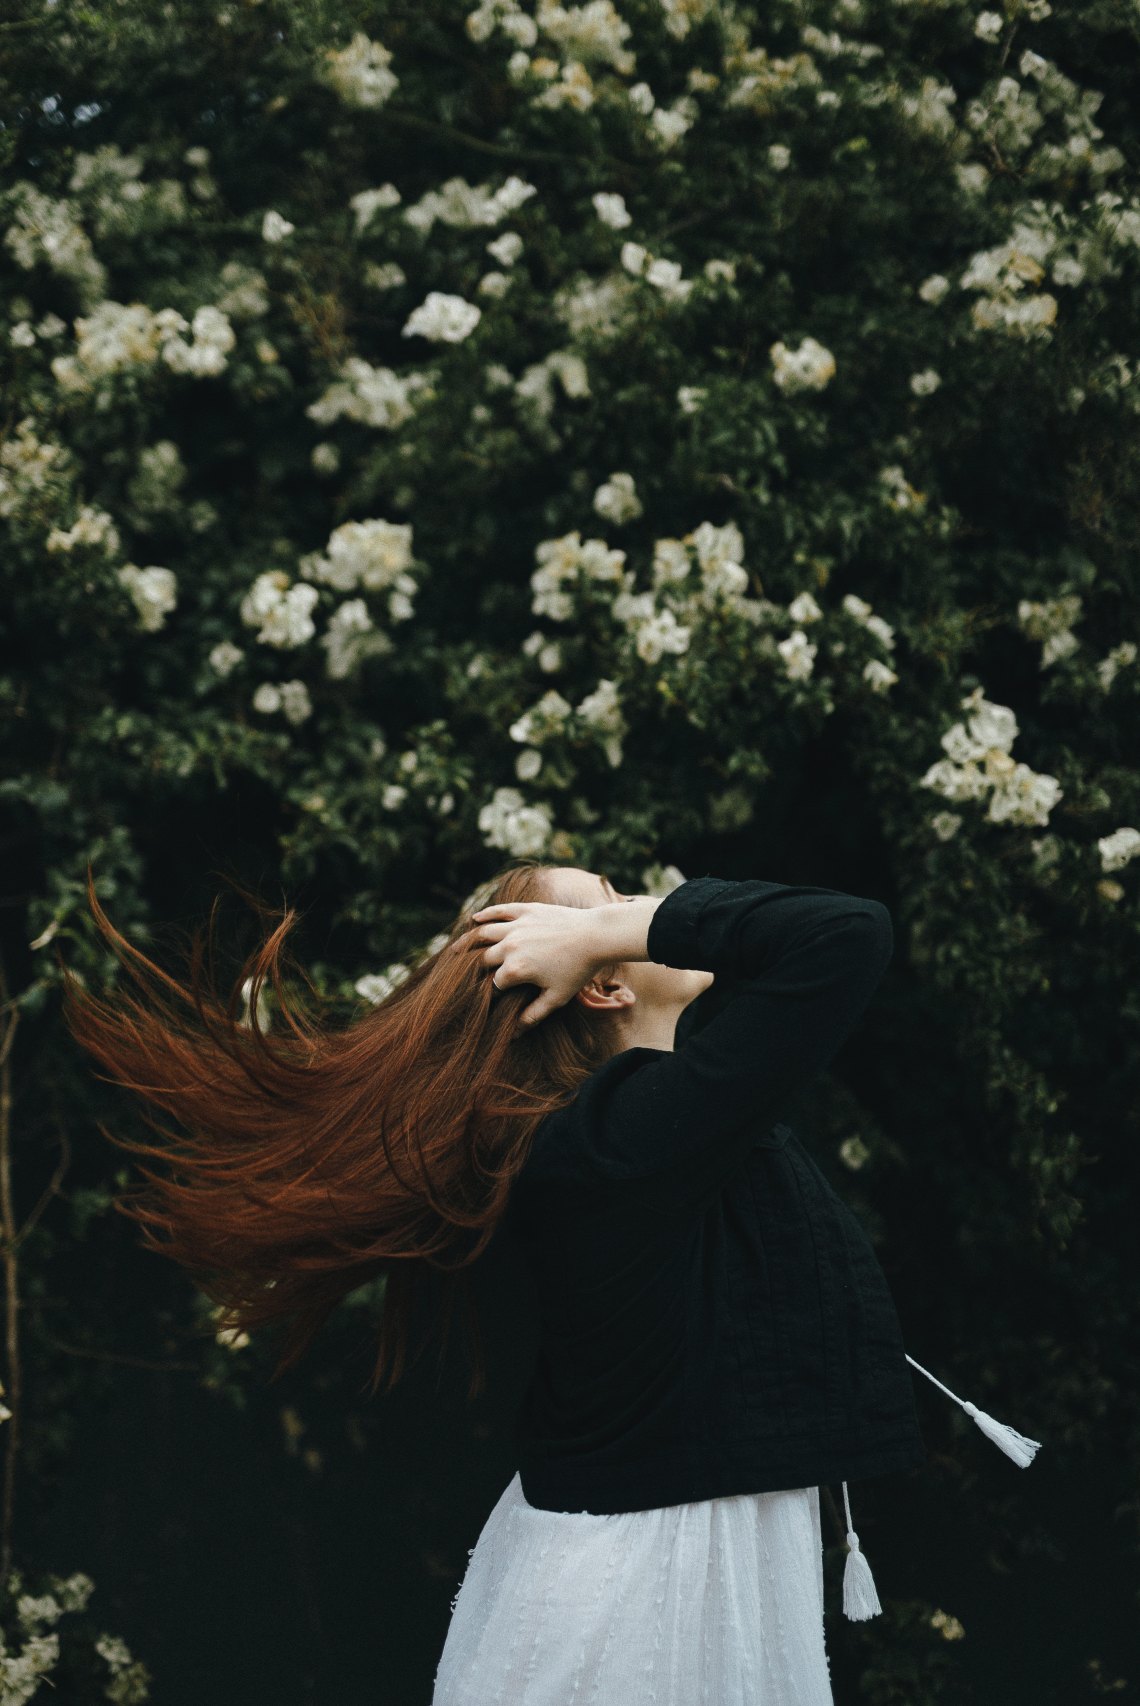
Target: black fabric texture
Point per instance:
(713, 1318)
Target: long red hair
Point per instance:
(312, 1158)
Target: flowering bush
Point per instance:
(664, 430)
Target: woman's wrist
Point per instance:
(618, 929)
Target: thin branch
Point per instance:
(122, 1357)
(14, 1385)
(50, 1189)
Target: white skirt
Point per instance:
(716, 1603)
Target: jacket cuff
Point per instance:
(672, 938)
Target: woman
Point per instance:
(717, 1337)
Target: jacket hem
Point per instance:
(612, 1489)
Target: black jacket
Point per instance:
(713, 1318)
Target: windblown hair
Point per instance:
(313, 1159)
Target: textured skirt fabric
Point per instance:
(717, 1603)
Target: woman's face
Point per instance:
(659, 989)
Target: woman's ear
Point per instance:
(605, 994)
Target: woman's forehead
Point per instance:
(573, 884)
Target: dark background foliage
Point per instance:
(295, 1542)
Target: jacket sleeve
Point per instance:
(803, 964)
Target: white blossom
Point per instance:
(611, 209)
(281, 611)
(809, 368)
(804, 608)
(798, 654)
(506, 821)
(617, 500)
(367, 202)
(225, 657)
(1118, 848)
(602, 710)
(659, 633)
(359, 72)
(507, 248)
(1050, 621)
(274, 227)
(878, 675)
(543, 720)
(154, 592)
(934, 288)
(377, 986)
(442, 318)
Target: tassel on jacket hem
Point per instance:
(860, 1600)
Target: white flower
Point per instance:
(507, 248)
(924, 384)
(543, 720)
(804, 609)
(506, 821)
(779, 156)
(671, 562)
(266, 699)
(882, 630)
(281, 612)
(154, 591)
(934, 288)
(393, 795)
(367, 202)
(359, 72)
(660, 633)
(979, 759)
(225, 657)
(384, 275)
(660, 880)
(946, 824)
(377, 986)
(1050, 621)
(798, 654)
(878, 675)
(22, 336)
(232, 1338)
(1114, 661)
(634, 257)
(726, 270)
(494, 284)
(528, 764)
(611, 210)
(602, 710)
(1118, 848)
(720, 553)
(292, 697)
(373, 554)
(1023, 797)
(988, 26)
(617, 499)
(808, 368)
(690, 398)
(350, 637)
(442, 318)
(274, 227)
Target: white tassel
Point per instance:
(860, 1601)
(1015, 1445)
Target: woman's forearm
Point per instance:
(618, 930)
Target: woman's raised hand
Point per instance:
(531, 941)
